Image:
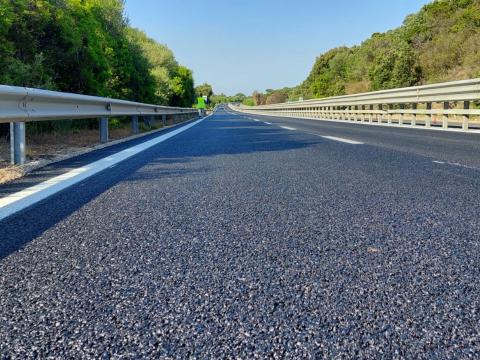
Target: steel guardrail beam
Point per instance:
(464, 90)
(21, 104)
(405, 106)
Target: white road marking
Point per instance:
(456, 164)
(21, 200)
(403, 126)
(265, 122)
(287, 128)
(348, 141)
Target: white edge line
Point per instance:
(21, 200)
(266, 122)
(287, 128)
(347, 141)
(456, 164)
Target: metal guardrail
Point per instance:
(445, 105)
(19, 105)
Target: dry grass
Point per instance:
(357, 87)
(44, 147)
(10, 173)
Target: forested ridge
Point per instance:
(87, 47)
(439, 43)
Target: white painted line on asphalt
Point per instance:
(403, 126)
(21, 200)
(455, 164)
(287, 128)
(348, 141)
(265, 122)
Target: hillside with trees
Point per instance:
(87, 47)
(439, 43)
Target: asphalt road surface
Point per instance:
(241, 239)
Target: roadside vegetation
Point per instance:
(439, 43)
(215, 99)
(86, 47)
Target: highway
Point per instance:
(250, 236)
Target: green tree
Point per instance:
(163, 65)
(86, 46)
(439, 43)
(204, 90)
(182, 87)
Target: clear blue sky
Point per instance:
(246, 45)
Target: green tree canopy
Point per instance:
(86, 46)
(439, 43)
(204, 90)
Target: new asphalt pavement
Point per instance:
(275, 238)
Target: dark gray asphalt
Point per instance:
(240, 239)
(454, 147)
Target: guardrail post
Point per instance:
(103, 130)
(428, 121)
(466, 106)
(389, 116)
(164, 120)
(446, 106)
(370, 115)
(401, 117)
(414, 115)
(17, 143)
(135, 124)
